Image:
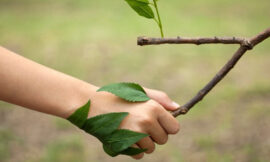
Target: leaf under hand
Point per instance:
(119, 142)
(103, 125)
(105, 128)
(142, 8)
(133, 151)
(79, 117)
(128, 91)
(129, 151)
(121, 139)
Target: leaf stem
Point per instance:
(152, 4)
(159, 20)
(156, 20)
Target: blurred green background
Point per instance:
(96, 42)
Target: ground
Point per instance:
(96, 42)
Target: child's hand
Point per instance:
(149, 117)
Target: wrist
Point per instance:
(82, 93)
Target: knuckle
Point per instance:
(150, 149)
(153, 106)
(152, 103)
(163, 140)
(175, 129)
(146, 121)
(138, 156)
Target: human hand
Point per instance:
(149, 117)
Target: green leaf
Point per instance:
(142, 8)
(121, 139)
(80, 115)
(132, 151)
(103, 125)
(128, 91)
(105, 128)
(109, 151)
(143, 1)
(129, 151)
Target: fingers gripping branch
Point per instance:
(245, 45)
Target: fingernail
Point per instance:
(176, 105)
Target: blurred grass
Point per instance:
(5, 137)
(68, 149)
(96, 41)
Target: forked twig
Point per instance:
(245, 45)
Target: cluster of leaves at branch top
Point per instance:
(143, 8)
(105, 127)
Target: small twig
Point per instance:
(142, 41)
(245, 44)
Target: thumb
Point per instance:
(162, 98)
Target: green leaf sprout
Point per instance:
(143, 8)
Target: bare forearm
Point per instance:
(28, 84)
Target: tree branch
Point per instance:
(142, 41)
(245, 44)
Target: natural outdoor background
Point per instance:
(95, 40)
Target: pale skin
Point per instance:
(34, 86)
